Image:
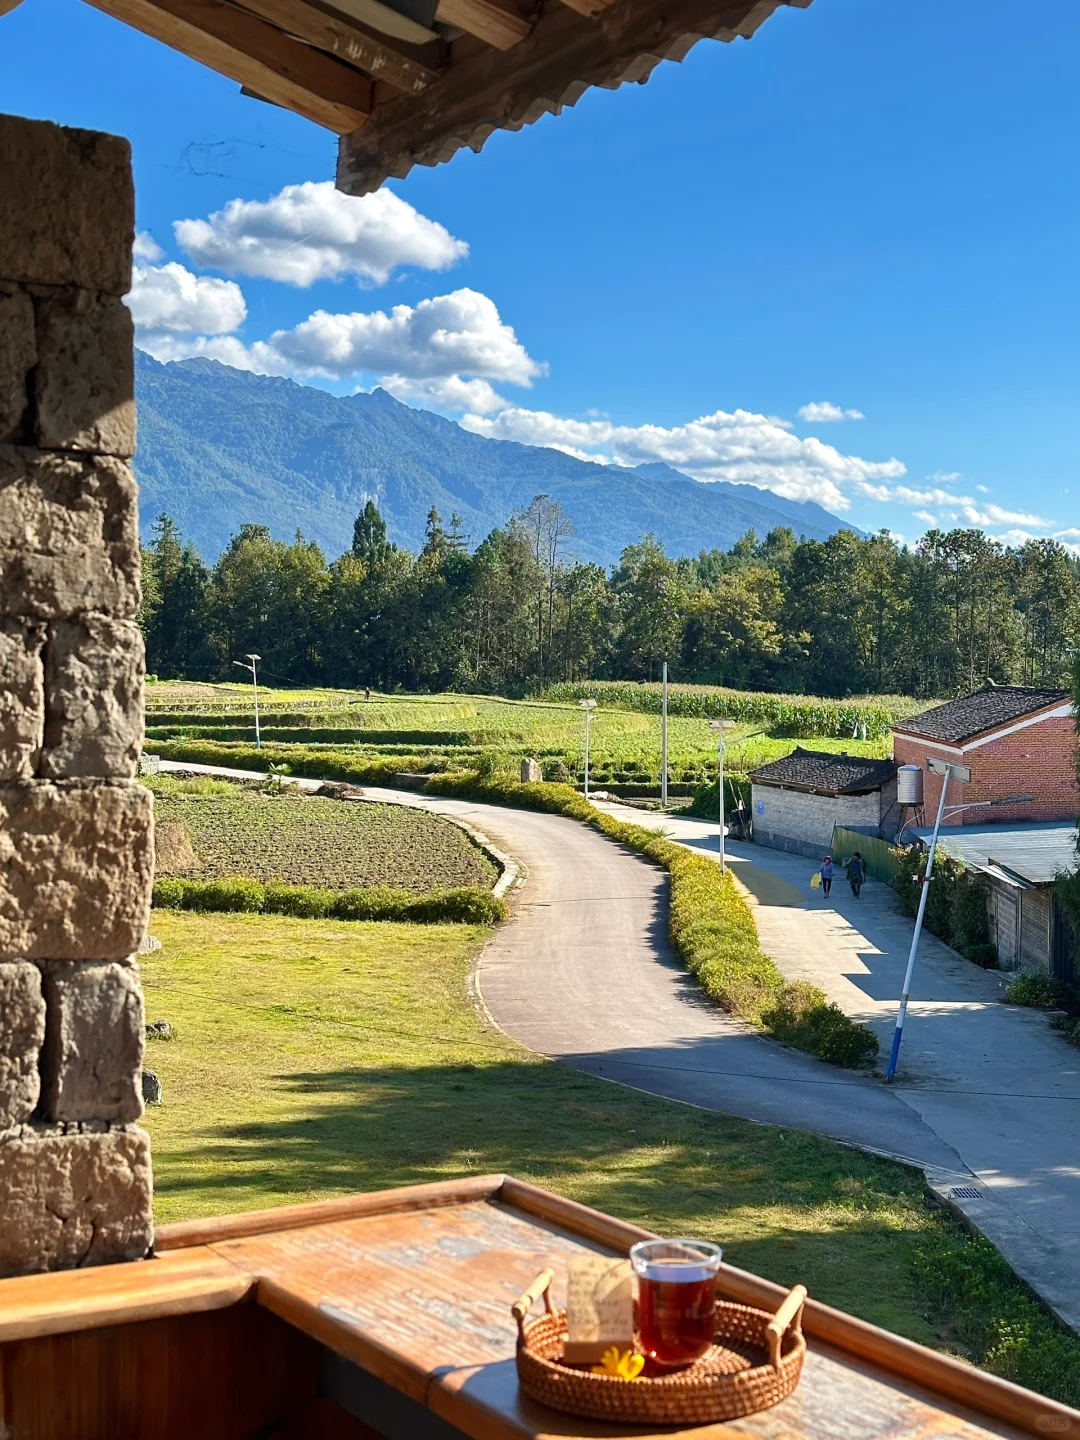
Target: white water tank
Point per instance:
(909, 785)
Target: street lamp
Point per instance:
(720, 726)
(254, 660)
(588, 706)
(962, 775)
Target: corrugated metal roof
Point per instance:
(1036, 850)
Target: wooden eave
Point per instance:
(401, 93)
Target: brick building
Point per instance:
(797, 801)
(1015, 739)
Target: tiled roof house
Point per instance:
(796, 801)
(1015, 739)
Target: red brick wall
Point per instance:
(1038, 760)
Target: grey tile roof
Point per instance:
(832, 774)
(1036, 850)
(985, 710)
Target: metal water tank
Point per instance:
(909, 785)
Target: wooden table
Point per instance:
(389, 1315)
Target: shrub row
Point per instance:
(711, 926)
(955, 907)
(330, 735)
(802, 715)
(465, 906)
(331, 763)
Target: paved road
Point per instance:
(584, 972)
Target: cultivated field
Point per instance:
(448, 732)
(310, 841)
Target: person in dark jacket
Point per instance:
(856, 873)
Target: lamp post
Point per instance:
(663, 742)
(962, 775)
(588, 706)
(720, 726)
(253, 662)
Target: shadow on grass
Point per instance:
(787, 1205)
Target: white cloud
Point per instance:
(146, 248)
(926, 518)
(445, 338)
(452, 393)
(170, 298)
(313, 232)
(823, 412)
(740, 446)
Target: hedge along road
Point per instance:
(583, 972)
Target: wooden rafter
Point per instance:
(500, 28)
(247, 49)
(6, 5)
(561, 58)
(382, 18)
(346, 40)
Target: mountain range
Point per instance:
(220, 447)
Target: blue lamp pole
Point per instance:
(947, 772)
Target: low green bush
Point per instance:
(331, 763)
(466, 905)
(710, 925)
(1034, 988)
(955, 907)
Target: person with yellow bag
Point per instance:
(823, 877)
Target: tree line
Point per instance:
(848, 615)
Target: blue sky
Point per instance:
(871, 204)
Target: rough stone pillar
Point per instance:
(76, 843)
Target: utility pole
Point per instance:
(720, 726)
(588, 706)
(663, 742)
(253, 662)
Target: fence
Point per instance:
(877, 853)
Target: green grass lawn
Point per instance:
(307, 840)
(314, 1058)
(452, 731)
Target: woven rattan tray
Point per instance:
(755, 1363)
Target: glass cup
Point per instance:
(676, 1298)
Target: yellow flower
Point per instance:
(626, 1365)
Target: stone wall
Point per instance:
(801, 823)
(76, 843)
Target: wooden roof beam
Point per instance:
(247, 49)
(500, 28)
(349, 42)
(559, 60)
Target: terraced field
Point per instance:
(446, 732)
(313, 841)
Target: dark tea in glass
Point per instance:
(676, 1298)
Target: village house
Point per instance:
(797, 801)
(1015, 739)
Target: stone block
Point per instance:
(68, 216)
(93, 698)
(18, 356)
(22, 1033)
(22, 698)
(94, 1037)
(76, 869)
(84, 396)
(69, 535)
(73, 1199)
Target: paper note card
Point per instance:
(599, 1307)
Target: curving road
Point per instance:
(583, 972)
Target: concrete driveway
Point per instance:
(987, 1097)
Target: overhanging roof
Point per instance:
(409, 82)
(821, 772)
(1036, 851)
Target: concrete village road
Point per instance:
(987, 1096)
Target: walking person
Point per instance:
(827, 871)
(856, 873)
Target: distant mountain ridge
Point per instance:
(220, 447)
